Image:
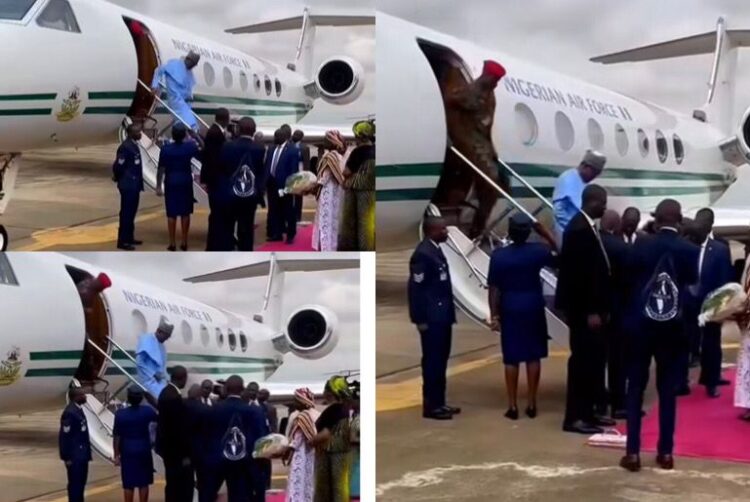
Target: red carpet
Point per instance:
(279, 497)
(706, 428)
(302, 242)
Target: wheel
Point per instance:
(3, 239)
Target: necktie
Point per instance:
(275, 162)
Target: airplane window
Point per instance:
(596, 135)
(187, 332)
(564, 130)
(278, 87)
(662, 150)
(204, 336)
(58, 15)
(621, 140)
(219, 337)
(679, 149)
(256, 82)
(228, 78)
(139, 322)
(268, 86)
(243, 342)
(7, 276)
(209, 74)
(232, 340)
(243, 81)
(642, 142)
(526, 124)
(15, 10)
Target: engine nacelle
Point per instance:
(340, 80)
(311, 332)
(737, 148)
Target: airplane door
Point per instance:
(147, 53)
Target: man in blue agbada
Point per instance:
(151, 358)
(569, 186)
(177, 76)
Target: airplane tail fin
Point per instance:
(722, 43)
(307, 23)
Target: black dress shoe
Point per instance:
(171, 248)
(531, 412)
(631, 463)
(137, 243)
(184, 247)
(603, 421)
(274, 239)
(452, 409)
(290, 240)
(712, 392)
(512, 413)
(619, 414)
(724, 381)
(438, 414)
(665, 461)
(581, 427)
(683, 391)
(126, 247)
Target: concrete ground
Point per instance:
(30, 469)
(65, 200)
(482, 456)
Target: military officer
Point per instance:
(75, 448)
(128, 173)
(431, 310)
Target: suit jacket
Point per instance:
(74, 442)
(230, 157)
(584, 285)
(618, 252)
(197, 428)
(210, 165)
(716, 269)
(287, 165)
(304, 151)
(271, 416)
(429, 288)
(253, 426)
(172, 433)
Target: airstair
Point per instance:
(151, 143)
(101, 406)
(469, 260)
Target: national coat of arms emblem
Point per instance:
(10, 368)
(70, 106)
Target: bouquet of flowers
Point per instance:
(724, 304)
(270, 446)
(300, 183)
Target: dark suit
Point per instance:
(715, 271)
(173, 447)
(198, 415)
(243, 481)
(75, 450)
(128, 173)
(238, 213)
(663, 341)
(282, 217)
(431, 305)
(264, 466)
(210, 171)
(583, 289)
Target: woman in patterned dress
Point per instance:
(330, 193)
(333, 460)
(357, 231)
(301, 454)
(742, 382)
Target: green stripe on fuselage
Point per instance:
(27, 97)
(25, 112)
(112, 95)
(77, 354)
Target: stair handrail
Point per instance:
(533, 190)
(111, 360)
(119, 347)
(174, 114)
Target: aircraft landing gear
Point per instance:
(3, 239)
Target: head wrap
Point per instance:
(493, 69)
(335, 138)
(594, 159)
(339, 387)
(304, 422)
(364, 129)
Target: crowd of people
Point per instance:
(239, 174)
(627, 295)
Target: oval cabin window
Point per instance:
(526, 124)
(564, 131)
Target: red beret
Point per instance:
(493, 68)
(104, 281)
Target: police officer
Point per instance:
(75, 448)
(128, 173)
(431, 309)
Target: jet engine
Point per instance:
(340, 80)
(737, 148)
(311, 332)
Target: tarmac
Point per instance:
(482, 456)
(31, 470)
(65, 200)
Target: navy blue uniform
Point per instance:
(176, 160)
(664, 341)
(75, 450)
(173, 446)
(128, 173)
(431, 305)
(243, 481)
(282, 217)
(132, 426)
(514, 271)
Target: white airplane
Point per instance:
(71, 71)
(40, 357)
(544, 122)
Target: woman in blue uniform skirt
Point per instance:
(132, 443)
(176, 172)
(517, 308)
